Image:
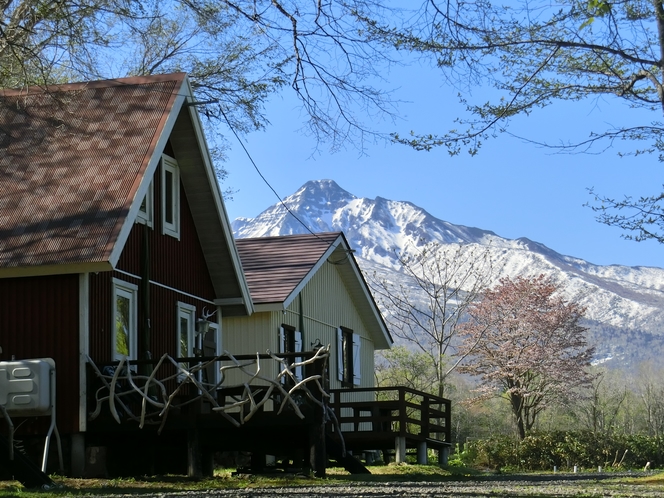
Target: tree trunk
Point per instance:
(517, 411)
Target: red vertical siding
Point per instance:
(176, 264)
(179, 264)
(163, 313)
(39, 318)
(101, 295)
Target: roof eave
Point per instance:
(227, 232)
(59, 269)
(182, 96)
(380, 332)
(153, 157)
(261, 307)
(298, 288)
(382, 336)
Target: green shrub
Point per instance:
(544, 450)
(462, 458)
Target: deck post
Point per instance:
(443, 456)
(317, 450)
(207, 462)
(78, 454)
(400, 440)
(422, 454)
(425, 413)
(400, 447)
(194, 460)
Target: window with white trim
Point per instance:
(348, 357)
(125, 320)
(170, 197)
(146, 210)
(212, 347)
(186, 331)
(290, 341)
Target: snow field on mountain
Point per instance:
(619, 299)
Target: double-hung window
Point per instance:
(348, 357)
(212, 347)
(125, 320)
(186, 331)
(290, 341)
(170, 197)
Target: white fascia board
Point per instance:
(218, 199)
(231, 301)
(153, 162)
(269, 307)
(372, 304)
(66, 269)
(312, 272)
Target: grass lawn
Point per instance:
(225, 480)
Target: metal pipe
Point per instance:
(10, 425)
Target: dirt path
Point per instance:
(508, 486)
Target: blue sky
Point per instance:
(511, 187)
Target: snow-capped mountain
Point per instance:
(624, 304)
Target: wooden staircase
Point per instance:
(336, 452)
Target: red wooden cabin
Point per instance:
(114, 238)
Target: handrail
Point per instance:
(425, 418)
(392, 388)
(221, 358)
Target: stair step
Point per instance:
(349, 462)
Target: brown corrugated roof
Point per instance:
(71, 160)
(275, 266)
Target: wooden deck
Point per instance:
(396, 419)
(269, 419)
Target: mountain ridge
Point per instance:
(617, 298)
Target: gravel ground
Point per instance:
(513, 486)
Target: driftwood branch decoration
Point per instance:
(122, 388)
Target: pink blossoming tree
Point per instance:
(525, 343)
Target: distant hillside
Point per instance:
(625, 304)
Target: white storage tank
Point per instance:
(25, 386)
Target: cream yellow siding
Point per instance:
(322, 307)
(257, 333)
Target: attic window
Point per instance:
(146, 210)
(170, 197)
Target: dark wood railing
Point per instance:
(393, 412)
(187, 389)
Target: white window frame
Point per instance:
(188, 312)
(298, 344)
(356, 359)
(129, 291)
(341, 360)
(146, 217)
(217, 333)
(170, 165)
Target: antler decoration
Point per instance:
(119, 384)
